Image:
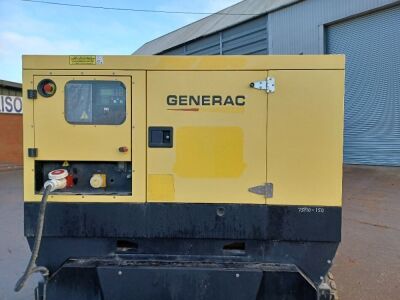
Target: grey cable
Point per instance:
(31, 267)
(141, 10)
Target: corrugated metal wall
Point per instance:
(250, 37)
(10, 91)
(299, 28)
(372, 116)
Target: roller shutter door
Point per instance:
(372, 104)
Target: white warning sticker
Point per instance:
(86, 60)
(84, 116)
(99, 60)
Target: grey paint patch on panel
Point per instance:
(372, 105)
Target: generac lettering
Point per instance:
(205, 100)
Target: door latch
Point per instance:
(32, 152)
(32, 94)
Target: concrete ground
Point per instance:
(14, 251)
(367, 265)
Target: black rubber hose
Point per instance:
(31, 267)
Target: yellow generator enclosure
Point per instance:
(212, 156)
(243, 130)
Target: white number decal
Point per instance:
(320, 210)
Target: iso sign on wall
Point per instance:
(10, 104)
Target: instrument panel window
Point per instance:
(97, 102)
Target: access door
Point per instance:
(83, 118)
(206, 136)
(305, 138)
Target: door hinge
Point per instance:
(32, 94)
(267, 190)
(266, 85)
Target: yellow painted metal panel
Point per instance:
(215, 62)
(305, 137)
(161, 187)
(219, 153)
(139, 136)
(79, 141)
(209, 152)
(28, 135)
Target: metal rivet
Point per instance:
(119, 273)
(237, 275)
(329, 261)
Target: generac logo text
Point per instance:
(205, 100)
